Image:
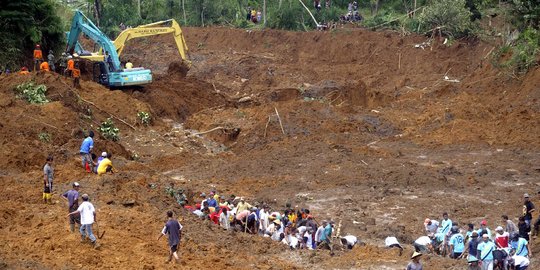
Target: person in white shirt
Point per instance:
(349, 241)
(224, 219)
(521, 262)
(392, 242)
(431, 226)
(263, 219)
(319, 232)
(423, 244)
(88, 217)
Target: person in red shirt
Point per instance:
(501, 238)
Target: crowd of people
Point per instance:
(506, 248)
(294, 227)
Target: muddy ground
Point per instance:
(377, 135)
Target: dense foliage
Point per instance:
(24, 24)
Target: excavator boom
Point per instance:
(152, 29)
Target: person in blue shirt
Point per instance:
(446, 225)
(520, 246)
(472, 247)
(484, 229)
(485, 252)
(457, 243)
(325, 237)
(86, 151)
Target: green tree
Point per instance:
(24, 24)
(448, 17)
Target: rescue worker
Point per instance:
(44, 66)
(38, 56)
(50, 60)
(24, 71)
(70, 65)
(129, 65)
(72, 197)
(62, 64)
(76, 73)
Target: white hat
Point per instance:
(104, 154)
(76, 184)
(499, 228)
(485, 235)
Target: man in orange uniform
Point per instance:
(24, 71)
(76, 73)
(38, 56)
(70, 65)
(44, 67)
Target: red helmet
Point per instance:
(24, 68)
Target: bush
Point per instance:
(32, 93)
(145, 118)
(450, 16)
(522, 55)
(44, 137)
(109, 131)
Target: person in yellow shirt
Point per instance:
(105, 165)
(243, 205)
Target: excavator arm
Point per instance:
(81, 24)
(152, 29)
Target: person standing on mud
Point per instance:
(72, 197)
(48, 175)
(86, 151)
(446, 225)
(88, 217)
(50, 59)
(528, 208)
(174, 229)
(485, 252)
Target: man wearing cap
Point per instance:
(485, 252)
(528, 208)
(501, 238)
(415, 262)
(243, 205)
(88, 217)
(484, 229)
(72, 197)
(101, 158)
(472, 246)
(105, 165)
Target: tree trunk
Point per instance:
(139, 9)
(184, 11)
(97, 11)
(264, 13)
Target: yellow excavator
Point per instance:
(152, 29)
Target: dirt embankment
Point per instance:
(370, 133)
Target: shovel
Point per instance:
(97, 231)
